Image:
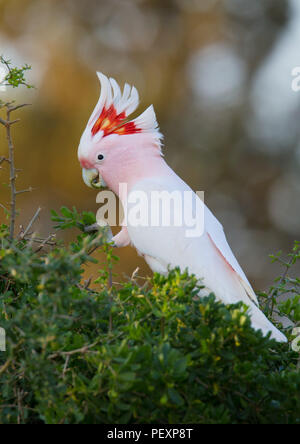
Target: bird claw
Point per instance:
(94, 228)
(91, 228)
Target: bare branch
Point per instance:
(65, 366)
(86, 286)
(12, 122)
(3, 159)
(12, 179)
(84, 349)
(5, 366)
(4, 208)
(14, 108)
(42, 241)
(46, 241)
(36, 215)
(29, 190)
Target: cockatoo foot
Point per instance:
(91, 228)
(94, 228)
(121, 239)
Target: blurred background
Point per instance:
(219, 75)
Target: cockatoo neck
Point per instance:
(131, 169)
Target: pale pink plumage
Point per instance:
(134, 157)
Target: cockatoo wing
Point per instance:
(217, 236)
(209, 256)
(212, 227)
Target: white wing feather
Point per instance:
(215, 229)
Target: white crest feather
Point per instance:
(105, 97)
(116, 91)
(111, 95)
(126, 102)
(147, 122)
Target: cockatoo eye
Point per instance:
(100, 157)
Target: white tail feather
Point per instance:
(261, 322)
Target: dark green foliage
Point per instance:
(286, 285)
(130, 353)
(72, 219)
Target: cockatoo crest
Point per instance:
(111, 113)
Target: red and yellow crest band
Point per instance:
(110, 122)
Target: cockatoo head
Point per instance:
(111, 142)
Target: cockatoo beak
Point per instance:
(92, 178)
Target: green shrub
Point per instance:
(151, 353)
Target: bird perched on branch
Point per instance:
(115, 150)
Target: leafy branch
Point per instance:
(15, 76)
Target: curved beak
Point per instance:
(92, 178)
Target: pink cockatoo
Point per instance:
(115, 150)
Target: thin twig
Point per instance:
(12, 122)
(3, 159)
(66, 366)
(84, 349)
(46, 241)
(4, 208)
(90, 290)
(36, 215)
(12, 178)
(16, 107)
(110, 284)
(14, 406)
(41, 241)
(270, 301)
(5, 366)
(29, 190)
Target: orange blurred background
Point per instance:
(219, 76)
